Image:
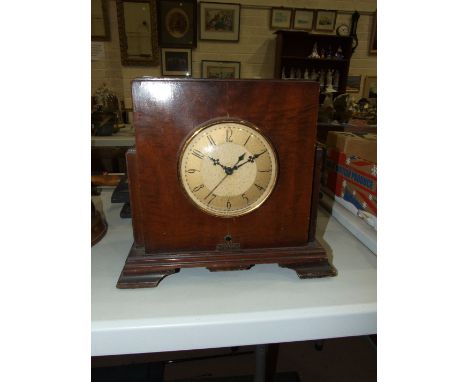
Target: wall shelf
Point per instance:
(293, 49)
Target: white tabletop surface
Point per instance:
(196, 309)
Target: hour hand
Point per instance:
(216, 163)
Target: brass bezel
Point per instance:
(198, 130)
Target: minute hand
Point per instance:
(250, 159)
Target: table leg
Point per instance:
(266, 357)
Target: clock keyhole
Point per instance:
(227, 238)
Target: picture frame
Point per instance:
(353, 84)
(219, 21)
(138, 35)
(370, 87)
(281, 18)
(373, 38)
(100, 30)
(177, 23)
(303, 19)
(325, 20)
(220, 69)
(176, 62)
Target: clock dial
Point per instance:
(228, 168)
(342, 30)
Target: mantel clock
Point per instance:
(224, 175)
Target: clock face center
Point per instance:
(228, 168)
(239, 179)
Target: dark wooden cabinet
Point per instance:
(293, 49)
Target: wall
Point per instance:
(255, 49)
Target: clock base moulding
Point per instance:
(147, 270)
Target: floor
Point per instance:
(351, 359)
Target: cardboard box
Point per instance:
(348, 172)
(363, 146)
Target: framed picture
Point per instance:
(325, 20)
(303, 19)
(373, 38)
(176, 62)
(370, 87)
(177, 23)
(219, 21)
(100, 30)
(353, 85)
(281, 18)
(220, 69)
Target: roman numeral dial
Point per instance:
(228, 168)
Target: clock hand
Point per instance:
(251, 159)
(221, 181)
(229, 171)
(216, 162)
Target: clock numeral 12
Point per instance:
(229, 135)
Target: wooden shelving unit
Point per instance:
(293, 49)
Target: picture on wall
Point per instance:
(303, 19)
(353, 85)
(325, 20)
(176, 62)
(281, 18)
(220, 69)
(370, 87)
(219, 21)
(177, 23)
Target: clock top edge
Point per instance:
(219, 80)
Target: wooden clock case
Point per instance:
(170, 232)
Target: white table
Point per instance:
(196, 309)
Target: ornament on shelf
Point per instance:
(306, 74)
(298, 73)
(291, 73)
(329, 52)
(326, 109)
(283, 74)
(314, 75)
(314, 53)
(328, 101)
(322, 78)
(329, 88)
(336, 79)
(339, 53)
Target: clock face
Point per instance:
(342, 30)
(228, 168)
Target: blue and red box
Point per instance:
(351, 169)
